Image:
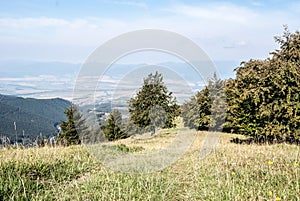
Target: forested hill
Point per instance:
(32, 116)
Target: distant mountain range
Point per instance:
(12, 68)
(29, 117)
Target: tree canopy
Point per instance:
(72, 128)
(263, 101)
(153, 106)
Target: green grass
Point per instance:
(231, 172)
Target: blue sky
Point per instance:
(69, 30)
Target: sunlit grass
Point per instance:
(231, 172)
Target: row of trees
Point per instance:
(152, 107)
(263, 101)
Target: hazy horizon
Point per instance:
(43, 45)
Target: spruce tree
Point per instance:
(72, 128)
(113, 129)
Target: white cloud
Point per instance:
(44, 30)
(221, 12)
(21, 23)
(211, 26)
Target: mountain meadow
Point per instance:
(256, 157)
(231, 172)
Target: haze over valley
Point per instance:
(58, 79)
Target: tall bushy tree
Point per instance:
(72, 128)
(263, 100)
(242, 97)
(153, 94)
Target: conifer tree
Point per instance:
(153, 106)
(72, 128)
(113, 129)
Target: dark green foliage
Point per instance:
(33, 116)
(207, 108)
(264, 99)
(196, 113)
(73, 128)
(113, 129)
(153, 106)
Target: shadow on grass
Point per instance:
(266, 140)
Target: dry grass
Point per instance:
(231, 172)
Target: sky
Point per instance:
(70, 30)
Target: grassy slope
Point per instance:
(231, 172)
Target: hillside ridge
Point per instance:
(30, 117)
